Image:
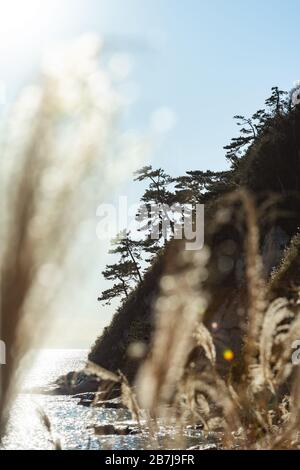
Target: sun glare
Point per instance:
(22, 20)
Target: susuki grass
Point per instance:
(57, 141)
(179, 383)
(257, 410)
(220, 356)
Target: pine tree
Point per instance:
(194, 185)
(238, 145)
(277, 103)
(163, 192)
(153, 214)
(126, 272)
(259, 120)
(122, 273)
(129, 251)
(251, 128)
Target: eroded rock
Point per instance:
(111, 429)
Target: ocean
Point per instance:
(71, 424)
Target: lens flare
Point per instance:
(228, 355)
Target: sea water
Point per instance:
(71, 424)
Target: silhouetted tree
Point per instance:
(122, 273)
(164, 194)
(277, 103)
(251, 128)
(194, 185)
(154, 214)
(126, 271)
(129, 250)
(238, 145)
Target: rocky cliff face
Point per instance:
(271, 172)
(131, 326)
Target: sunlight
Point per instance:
(22, 20)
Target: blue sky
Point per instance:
(207, 60)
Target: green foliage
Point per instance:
(157, 191)
(125, 272)
(277, 103)
(158, 195)
(269, 163)
(192, 188)
(258, 163)
(251, 128)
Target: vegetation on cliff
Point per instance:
(208, 336)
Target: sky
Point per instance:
(202, 61)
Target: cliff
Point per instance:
(270, 172)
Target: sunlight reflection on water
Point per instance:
(71, 424)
